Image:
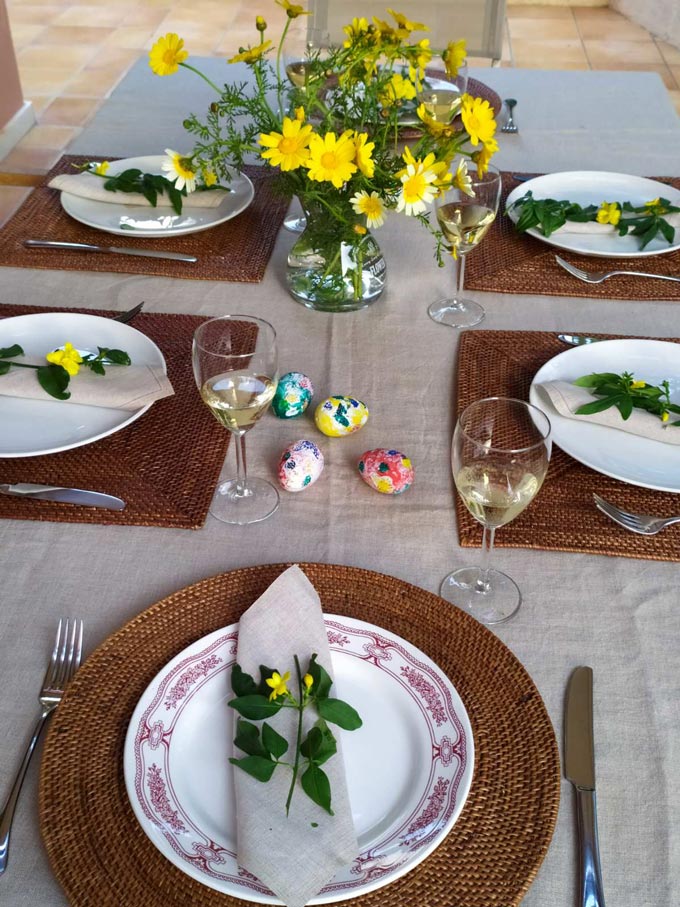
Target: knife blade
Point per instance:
(118, 250)
(577, 339)
(64, 495)
(579, 769)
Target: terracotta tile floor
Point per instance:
(72, 55)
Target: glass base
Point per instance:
(260, 501)
(296, 223)
(457, 313)
(491, 603)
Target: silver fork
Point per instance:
(642, 523)
(599, 276)
(124, 317)
(63, 663)
(510, 126)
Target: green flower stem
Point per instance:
(298, 741)
(20, 364)
(202, 75)
(278, 65)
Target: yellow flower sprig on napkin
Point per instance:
(63, 363)
(264, 749)
(625, 393)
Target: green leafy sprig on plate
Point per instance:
(265, 747)
(62, 365)
(150, 185)
(645, 221)
(626, 394)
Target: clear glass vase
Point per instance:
(335, 266)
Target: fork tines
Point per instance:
(66, 654)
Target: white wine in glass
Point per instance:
(236, 372)
(499, 457)
(441, 104)
(464, 221)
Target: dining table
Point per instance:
(619, 615)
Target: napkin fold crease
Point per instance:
(87, 185)
(566, 398)
(294, 855)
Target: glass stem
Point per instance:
(461, 275)
(241, 468)
(482, 584)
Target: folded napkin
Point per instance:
(87, 185)
(566, 398)
(592, 227)
(127, 387)
(288, 853)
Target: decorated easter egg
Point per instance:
(388, 471)
(292, 395)
(340, 416)
(300, 465)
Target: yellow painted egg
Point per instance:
(340, 416)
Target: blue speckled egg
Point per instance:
(292, 395)
(300, 465)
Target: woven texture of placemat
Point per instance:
(509, 262)
(563, 516)
(165, 466)
(237, 250)
(101, 856)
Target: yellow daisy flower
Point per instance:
(417, 188)
(454, 56)
(609, 213)
(293, 10)
(369, 205)
(416, 72)
(167, 54)
(100, 169)
(68, 358)
(357, 28)
(278, 684)
(434, 127)
(288, 149)
(461, 179)
(179, 170)
(477, 116)
(331, 159)
(405, 25)
(250, 54)
(364, 150)
(484, 155)
(398, 88)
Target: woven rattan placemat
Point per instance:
(101, 856)
(165, 465)
(237, 250)
(562, 517)
(507, 262)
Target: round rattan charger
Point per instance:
(101, 856)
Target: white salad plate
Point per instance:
(31, 428)
(409, 768)
(592, 187)
(143, 220)
(629, 458)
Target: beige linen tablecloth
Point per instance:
(620, 616)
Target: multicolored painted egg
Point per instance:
(292, 395)
(300, 465)
(340, 416)
(388, 471)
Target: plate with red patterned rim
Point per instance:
(409, 768)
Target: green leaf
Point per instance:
(255, 707)
(10, 351)
(95, 366)
(341, 713)
(265, 674)
(54, 379)
(175, 197)
(320, 744)
(595, 379)
(241, 683)
(598, 405)
(273, 742)
(5, 367)
(322, 679)
(116, 357)
(625, 407)
(248, 739)
(257, 766)
(316, 785)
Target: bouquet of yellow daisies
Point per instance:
(331, 128)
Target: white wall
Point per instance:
(660, 17)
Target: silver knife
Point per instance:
(64, 495)
(577, 339)
(120, 250)
(579, 768)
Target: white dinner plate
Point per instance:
(30, 428)
(409, 767)
(629, 458)
(143, 220)
(592, 187)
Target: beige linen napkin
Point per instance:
(566, 398)
(287, 853)
(87, 185)
(127, 387)
(593, 228)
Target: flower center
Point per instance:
(414, 187)
(169, 57)
(329, 160)
(288, 145)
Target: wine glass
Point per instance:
(236, 372)
(442, 95)
(499, 456)
(465, 220)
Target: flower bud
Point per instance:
(260, 24)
